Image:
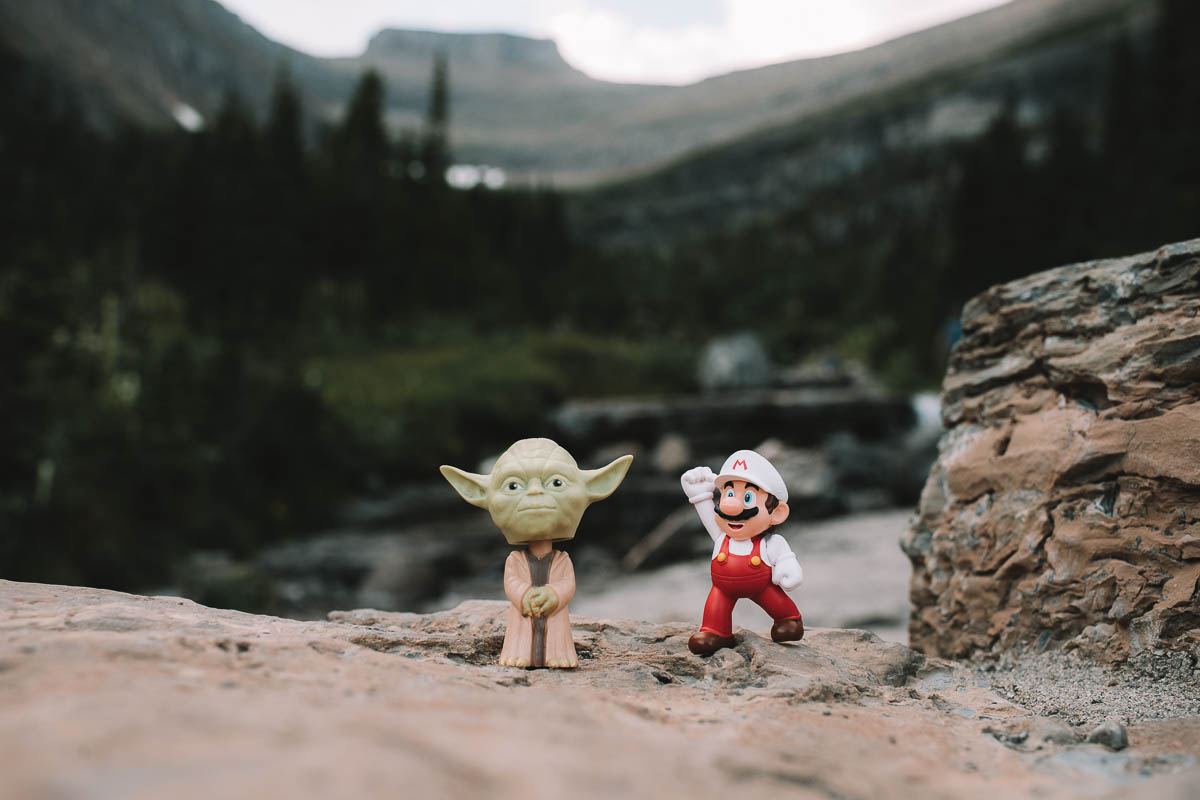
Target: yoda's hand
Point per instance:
(549, 602)
(539, 601)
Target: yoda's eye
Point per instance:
(749, 499)
(557, 483)
(512, 486)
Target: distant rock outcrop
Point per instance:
(1065, 504)
(484, 49)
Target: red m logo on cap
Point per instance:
(740, 464)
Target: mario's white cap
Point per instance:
(747, 465)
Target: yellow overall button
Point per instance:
(756, 561)
(721, 557)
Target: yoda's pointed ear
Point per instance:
(604, 481)
(471, 486)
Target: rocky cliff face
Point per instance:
(489, 50)
(1065, 504)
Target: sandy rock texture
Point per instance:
(1064, 507)
(108, 695)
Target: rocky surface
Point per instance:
(1064, 508)
(1081, 693)
(718, 422)
(105, 694)
(734, 362)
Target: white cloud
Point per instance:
(679, 42)
(612, 48)
(332, 28)
(753, 33)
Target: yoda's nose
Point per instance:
(535, 487)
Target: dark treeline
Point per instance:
(1121, 181)
(210, 339)
(170, 304)
(1125, 182)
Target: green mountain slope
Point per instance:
(873, 149)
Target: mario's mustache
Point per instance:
(742, 517)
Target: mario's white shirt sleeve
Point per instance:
(707, 512)
(785, 567)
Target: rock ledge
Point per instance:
(104, 694)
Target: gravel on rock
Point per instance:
(1084, 693)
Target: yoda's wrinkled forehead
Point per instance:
(532, 457)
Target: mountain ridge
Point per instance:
(781, 167)
(515, 102)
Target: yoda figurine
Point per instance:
(537, 495)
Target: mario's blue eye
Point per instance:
(729, 492)
(749, 499)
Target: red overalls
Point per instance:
(734, 577)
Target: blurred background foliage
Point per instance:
(211, 339)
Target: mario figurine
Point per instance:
(739, 507)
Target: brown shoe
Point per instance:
(705, 643)
(788, 630)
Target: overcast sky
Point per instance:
(648, 41)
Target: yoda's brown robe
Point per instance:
(520, 637)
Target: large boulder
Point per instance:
(1064, 507)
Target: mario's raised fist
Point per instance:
(698, 484)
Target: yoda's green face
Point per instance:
(536, 492)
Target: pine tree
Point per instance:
(435, 140)
(286, 188)
(360, 146)
(1175, 97)
(1124, 131)
(283, 137)
(990, 209)
(234, 134)
(1065, 228)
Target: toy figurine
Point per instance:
(739, 508)
(537, 494)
